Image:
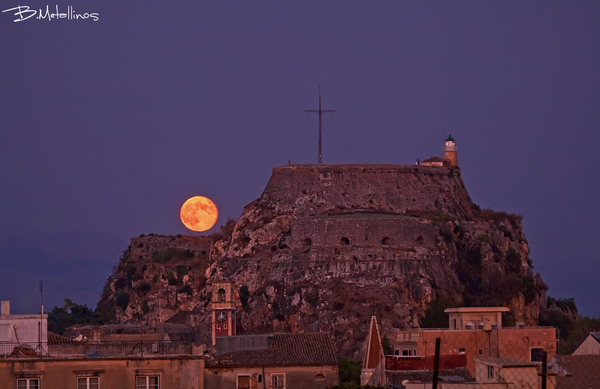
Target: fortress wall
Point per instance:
(145, 246)
(363, 232)
(315, 189)
(342, 267)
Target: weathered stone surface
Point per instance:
(327, 246)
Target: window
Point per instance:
(146, 382)
(224, 326)
(406, 352)
(414, 351)
(454, 323)
(396, 352)
(480, 352)
(461, 350)
(490, 371)
(222, 295)
(260, 378)
(4, 332)
(344, 241)
(537, 354)
(278, 380)
(243, 382)
(28, 383)
(88, 383)
(307, 242)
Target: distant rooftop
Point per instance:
(476, 309)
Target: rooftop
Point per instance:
(582, 371)
(505, 362)
(476, 309)
(395, 378)
(285, 350)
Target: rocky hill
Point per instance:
(327, 246)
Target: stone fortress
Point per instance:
(326, 246)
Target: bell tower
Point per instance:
(450, 150)
(223, 310)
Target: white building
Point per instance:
(30, 331)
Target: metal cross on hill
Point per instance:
(320, 112)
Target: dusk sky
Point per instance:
(108, 126)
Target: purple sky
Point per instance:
(107, 127)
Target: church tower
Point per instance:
(373, 368)
(223, 310)
(450, 150)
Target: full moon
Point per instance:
(199, 213)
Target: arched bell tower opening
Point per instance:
(223, 310)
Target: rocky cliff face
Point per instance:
(327, 246)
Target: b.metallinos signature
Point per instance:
(24, 12)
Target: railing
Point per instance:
(97, 350)
(474, 328)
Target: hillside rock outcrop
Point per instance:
(327, 246)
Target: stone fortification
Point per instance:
(327, 246)
(305, 190)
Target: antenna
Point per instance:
(320, 112)
(41, 314)
(42, 296)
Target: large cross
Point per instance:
(320, 112)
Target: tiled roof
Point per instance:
(505, 362)
(179, 318)
(24, 352)
(433, 159)
(596, 335)
(395, 378)
(285, 350)
(584, 371)
(59, 339)
(181, 337)
(134, 338)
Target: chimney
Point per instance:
(5, 310)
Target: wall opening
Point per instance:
(222, 295)
(307, 242)
(420, 240)
(344, 241)
(386, 240)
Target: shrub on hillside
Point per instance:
(172, 253)
(122, 300)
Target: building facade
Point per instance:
(30, 331)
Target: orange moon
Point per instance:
(199, 214)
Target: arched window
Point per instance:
(319, 377)
(420, 240)
(386, 240)
(344, 241)
(307, 242)
(222, 295)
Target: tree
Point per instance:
(70, 314)
(244, 295)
